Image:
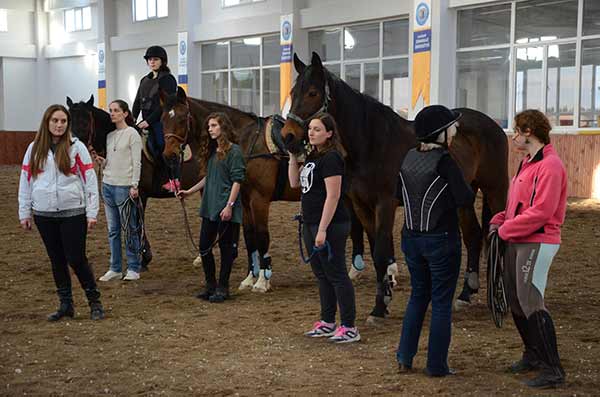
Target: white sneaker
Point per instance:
(131, 275)
(110, 275)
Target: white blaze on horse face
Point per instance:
(306, 177)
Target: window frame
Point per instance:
(134, 13)
(74, 10)
(247, 3)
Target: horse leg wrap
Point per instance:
(472, 281)
(255, 265)
(266, 265)
(357, 267)
(392, 272)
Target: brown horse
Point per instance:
(376, 140)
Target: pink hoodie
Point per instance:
(537, 201)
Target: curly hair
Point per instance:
(222, 144)
(537, 123)
(333, 142)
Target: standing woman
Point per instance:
(58, 186)
(147, 100)
(221, 208)
(120, 180)
(326, 221)
(535, 211)
(432, 189)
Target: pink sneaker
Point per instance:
(320, 329)
(345, 335)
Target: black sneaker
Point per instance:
(205, 294)
(220, 295)
(64, 310)
(522, 366)
(547, 379)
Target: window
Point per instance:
(538, 69)
(78, 19)
(371, 58)
(3, 20)
(243, 73)
(150, 9)
(231, 3)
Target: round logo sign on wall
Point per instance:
(422, 14)
(182, 47)
(101, 56)
(286, 30)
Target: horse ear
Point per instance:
(298, 64)
(316, 60)
(69, 102)
(90, 101)
(181, 97)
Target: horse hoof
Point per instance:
(373, 321)
(354, 274)
(198, 261)
(263, 284)
(460, 304)
(247, 283)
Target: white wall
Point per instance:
(126, 26)
(21, 110)
(72, 76)
(58, 35)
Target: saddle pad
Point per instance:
(268, 137)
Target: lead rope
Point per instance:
(495, 283)
(315, 250)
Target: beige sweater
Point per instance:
(123, 157)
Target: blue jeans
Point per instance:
(434, 264)
(115, 196)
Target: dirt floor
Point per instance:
(159, 339)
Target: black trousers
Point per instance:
(65, 240)
(228, 234)
(335, 286)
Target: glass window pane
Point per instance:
(361, 41)
(270, 91)
(151, 8)
(562, 84)
(589, 115)
(87, 18)
(529, 78)
(214, 56)
(484, 26)
(245, 52)
(335, 69)
(395, 37)
(163, 8)
(326, 43)
(591, 17)
(271, 50)
(245, 90)
(141, 11)
(3, 20)
(395, 85)
(372, 79)
(214, 87)
(78, 19)
(482, 82)
(539, 20)
(70, 20)
(352, 76)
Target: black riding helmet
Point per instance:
(433, 120)
(157, 52)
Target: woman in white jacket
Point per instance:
(58, 188)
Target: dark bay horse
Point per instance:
(376, 140)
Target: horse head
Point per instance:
(177, 124)
(310, 96)
(90, 124)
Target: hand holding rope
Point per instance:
(325, 247)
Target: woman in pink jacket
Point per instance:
(530, 224)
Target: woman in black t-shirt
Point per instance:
(327, 222)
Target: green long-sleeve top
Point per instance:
(220, 177)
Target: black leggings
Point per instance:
(335, 286)
(228, 234)
(65, 240)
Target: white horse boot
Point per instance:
(392, 273)
(248, 282)
(264, 277)
(198, 261)
(357, 267)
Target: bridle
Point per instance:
(182, 140)
(323, 109)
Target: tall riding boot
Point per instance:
(208, 264)
(66, 305)
(542, 331)
(96, 309)
(529, 361)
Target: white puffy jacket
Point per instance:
(53, 191)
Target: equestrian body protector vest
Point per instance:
(424, 192)
(149, 89)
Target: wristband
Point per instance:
(231, 204)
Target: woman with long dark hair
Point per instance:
(58, 187)
(221, 209)
(120, 178)
(326, 222)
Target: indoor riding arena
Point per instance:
(157, 337)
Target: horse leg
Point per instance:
(146, 250)
(384, 254)
(260, 213)
(251, 249)
(473, 238)
(358, 246)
